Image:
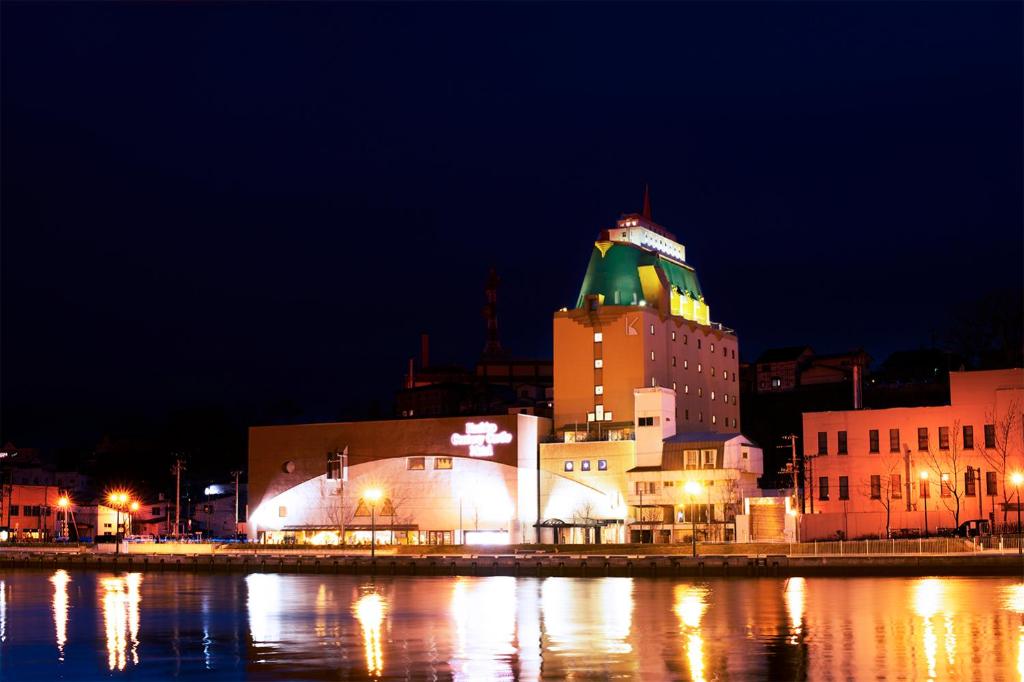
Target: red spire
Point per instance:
(646, 213)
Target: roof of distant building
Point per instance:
(786, 354)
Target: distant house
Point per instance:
(779, 370)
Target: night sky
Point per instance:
(250, 204)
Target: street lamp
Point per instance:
(693, 489)
(63, 503)
(1017, 478)
(924, 480)
(373, 496)
(119, 500)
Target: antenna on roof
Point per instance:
(646, 213)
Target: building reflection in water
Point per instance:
(370, 610)
(263, 603)
(60, 580)
(484, 615)
(689, 604)
(120, 599)
(1013, 600)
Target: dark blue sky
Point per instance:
(238, 204)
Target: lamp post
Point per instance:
(1017, 478)
(63, 503)
(119, 500)
(692, 489)
(373, 496)
(925, 491)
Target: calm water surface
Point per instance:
(91, 625)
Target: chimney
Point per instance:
(858, 387)
(424, 351)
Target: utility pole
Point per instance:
(798, 498)
(906, 466)
(236, 473)
(176, 469)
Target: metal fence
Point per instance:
(903, 546)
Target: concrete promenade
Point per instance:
(596, 562)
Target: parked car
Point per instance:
(974, 528)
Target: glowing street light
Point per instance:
(372, 496)
(63, 503)
(693, 489)
(924, 480)
(120, 500)
(1017, 478)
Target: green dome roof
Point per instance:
(615, 275)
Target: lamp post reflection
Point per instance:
(120, 601)
(690, 604)
(369, 610)
(60, 580)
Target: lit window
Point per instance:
(598, 390)
(725, 397)
(282, 511)
(608, 416)
(700, 368)
(599, 363)
(700, 392)
(598, 337)
(652, 330)
(568, 465)
(415, 463)
(673, 336)
(714, 419)
(725, 374)
(712, 371)
(585, 465)
(652, 355)
(712, 348)
(602, 465)
(712, 395)
(442, 462)
(654, 382)
(686, 388)
(776, 382)
(673, 385)
(686, 364)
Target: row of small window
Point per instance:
(420, 463)
(895, 486)
(599, 338)
(570, 465)
(653, 421)
(29, 510)
(967, 441)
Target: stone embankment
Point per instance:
(527, 564)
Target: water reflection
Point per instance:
(690, 603)
(795, 598)
(339, 627)
(120, 599)
(60, 581)
(370, 610)
(484, 615)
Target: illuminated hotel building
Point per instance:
(646, 398)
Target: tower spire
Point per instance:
(646, 213)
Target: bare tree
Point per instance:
(889, 487)
(584, 512)
(948, 464)
(998, 457)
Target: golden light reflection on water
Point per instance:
(690, 603)
(928, 594)
(484, 614)
(120, 599)
(263, 603)
(370, 610)
(60, 581)
(795, 599)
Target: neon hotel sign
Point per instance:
(480, 438)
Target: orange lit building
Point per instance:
(860, 464)
(646, 399)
